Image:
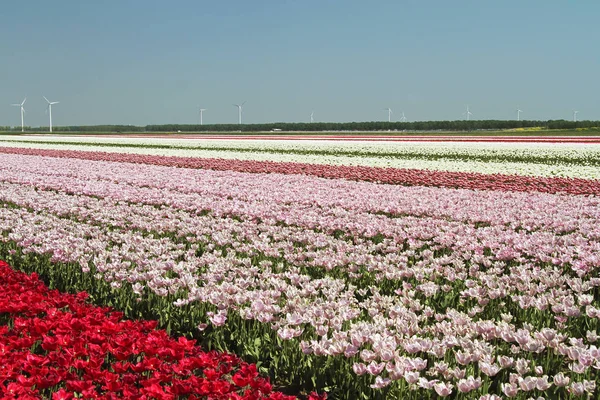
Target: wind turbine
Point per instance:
(403, 118)
(201, 111)
(239, 106)
(50, 103)
(575, 116)
(22, 113)
(389, 110)
(468, 113)
(519, 114)
(312, 114)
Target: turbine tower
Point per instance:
(49, 109)
(312, 114)
(575, 116)
(403, 118)
(468, 113)
(389, 110)
(201, 111)
(519, 114)
(239, 106)
(22, 113)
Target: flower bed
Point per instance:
(373, 287)
(56, 344)
(396, 176)
(575, 160)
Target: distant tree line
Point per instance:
(461, 125)
(353, 126)
(75, 128)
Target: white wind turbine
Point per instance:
(22, 113)
(403, 118)
(468, 113)
(575, 116)
(49, 109)
(519, 114)
(201, 111)
(389, 110)
(240, 106)
(312, 114)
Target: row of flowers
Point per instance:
(57, 345)
(198, 189)
(547, 150)
(496, 179)
(436, 217)
(429, 332)
(531, 159)
(535, 159)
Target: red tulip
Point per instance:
(62, 394)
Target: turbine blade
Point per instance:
(47, 101)
(24, 100)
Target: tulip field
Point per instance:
(279, 269)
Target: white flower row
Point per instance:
(575, 151)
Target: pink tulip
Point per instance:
(443, 389)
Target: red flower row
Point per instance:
(409, 177)
(57, 345)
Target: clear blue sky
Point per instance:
(154, 61)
